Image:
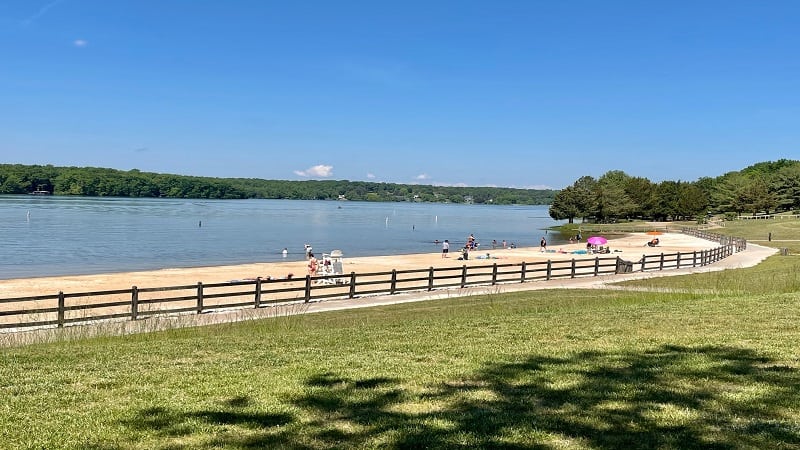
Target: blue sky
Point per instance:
(507, 93)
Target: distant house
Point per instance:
(468, 199)
(342, 197)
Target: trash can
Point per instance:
(624, 266)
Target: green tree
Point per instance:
(612, 200)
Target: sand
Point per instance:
(630, 247)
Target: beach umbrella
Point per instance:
(654, 232)
(597, 240)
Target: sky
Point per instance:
(524, 94)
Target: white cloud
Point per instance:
(371, 176)
(422, 176)
(80, 42)
(319, 170)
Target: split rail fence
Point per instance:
(64, 309)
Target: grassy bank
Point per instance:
(711, 362)
(558, 369)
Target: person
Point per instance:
(308, 251)
(505, 244)
(445, 248)
(312, 265)
(285, 252)
(494, 244)
(543, 245)
(465, 253)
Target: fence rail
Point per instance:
(64, 309)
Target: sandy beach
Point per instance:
(630, 247)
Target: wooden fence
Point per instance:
(62, 309)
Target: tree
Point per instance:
(612, 200)
(786, 186)
(692, 201)
(565, 205)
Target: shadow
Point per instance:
(170, 423)
(670, 397)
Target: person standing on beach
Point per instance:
(285, 252)
(312, 265)
(445, 248)
(308, 251)
(543, 245)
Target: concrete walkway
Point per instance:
(750, 257)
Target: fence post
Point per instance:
(60, 309)
(394, 282)
(352, 293)
(430, 279)
(572, 271)
(494, 274)
(679, 260)
(596, 265)
(644, 262)
(199, 297)
(463, 276)
(694, 258)
(522, 274)
(549, 272)
(661, 262)
(134, 303)
(308, 289)
(258, 292)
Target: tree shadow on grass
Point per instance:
(670, 397)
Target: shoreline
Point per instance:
(629, 247)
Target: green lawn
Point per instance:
(714, 366)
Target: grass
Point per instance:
(556, 369)
(785, 233)
(715, 365)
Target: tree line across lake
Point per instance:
(102, 182)
(762, 188)
(766, 187)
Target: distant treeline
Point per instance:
(762, 188)
(101, 182)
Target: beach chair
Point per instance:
(333, 265)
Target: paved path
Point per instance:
(753, 255)
(750, 257)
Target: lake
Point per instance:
(45, 236)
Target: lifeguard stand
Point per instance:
(332, 265)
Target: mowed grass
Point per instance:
(711, 362)
(785, 233)
(540, 369)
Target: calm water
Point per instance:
(42, 236)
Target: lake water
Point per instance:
(43, 236)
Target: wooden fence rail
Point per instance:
(63, 309)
